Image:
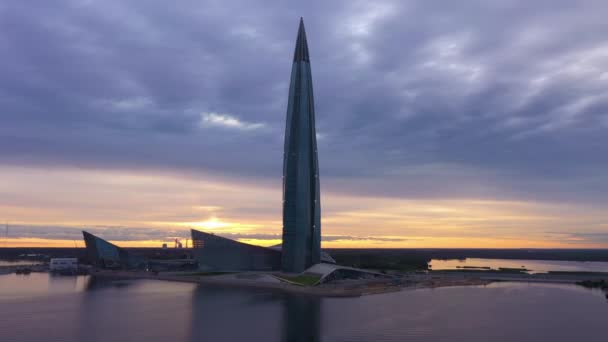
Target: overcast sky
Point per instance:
(460, 123)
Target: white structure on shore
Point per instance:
(63, 264)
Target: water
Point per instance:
(534, 266)
(40, 307)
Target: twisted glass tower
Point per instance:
(301, 200)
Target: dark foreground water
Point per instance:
(40, 307)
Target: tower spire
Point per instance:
(301, 51)
(301, 191)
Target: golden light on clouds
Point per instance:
(259, 242)
(53, 243)
(85, 198)
(216, 224)
(212, 223)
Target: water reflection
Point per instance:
(133, 310)
(58, 283)
(97, 283)
(97, 309)
(236, 315)
(301, 319)
(16, 286)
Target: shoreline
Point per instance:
(359, 288)
(347, 288)
(223, 281)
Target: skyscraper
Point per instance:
(301, 200)
(301, 246)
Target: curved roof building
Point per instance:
(216, 253)
(103, 254)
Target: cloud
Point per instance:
(120, 233)
(581, 237)
(497, 100)
(362, 238)
(237, 236)
(129, 104)
(228, 121)
(115, 233)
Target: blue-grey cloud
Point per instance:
(117, 233)
(414, 98)
(120, 233)
(580, 236)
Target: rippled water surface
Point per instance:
(39, 307)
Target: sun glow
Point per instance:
(217, 224)
(212, 223)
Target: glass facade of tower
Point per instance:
(301, 197)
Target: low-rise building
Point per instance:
(63, 264)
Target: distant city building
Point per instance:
(103, 254)
(301, 192)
